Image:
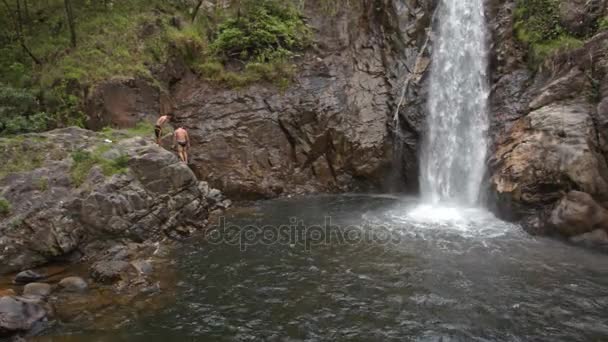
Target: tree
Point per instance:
(70, 14)
(18, 23)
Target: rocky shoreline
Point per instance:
(108, 202)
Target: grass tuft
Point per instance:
(5, 207)
(84, 161)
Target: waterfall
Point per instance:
(454, 150)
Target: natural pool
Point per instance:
(372, 268)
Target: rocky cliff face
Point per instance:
(548, 127)
(330, 130)
(52, 215)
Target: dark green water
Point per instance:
(383, 271)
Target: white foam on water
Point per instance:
(469, 222)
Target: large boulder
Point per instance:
(146, 194)
(550, 150)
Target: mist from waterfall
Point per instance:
(454, 150)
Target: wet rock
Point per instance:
(37, 289)
(143, 267)
(108, 272)
(596, 238)
(578, 213)
(28, 277)
(19, 314)
(73, 284)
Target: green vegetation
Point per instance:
(603, 23)
(85, 160)
(537, 24)
(5, 207)
(142, 128)
(43, 184)
(280, 73)
(21, 153)
(263, 30)
(52, 55)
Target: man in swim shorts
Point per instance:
(181, 140)
(160, 123)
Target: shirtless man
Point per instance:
(182, 141)
(158, 128)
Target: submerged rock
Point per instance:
(108, 272)
(28, 277)
(7, 292)
(37, 289)
(143, 267)
(73, 284)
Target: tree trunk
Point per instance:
(196, 9)
(70, 14)
(26, 10)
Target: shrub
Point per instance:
(20, 111)
(5, 207)
(537, 24)
(189, 43)
(263, 30)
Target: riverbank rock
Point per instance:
(73, 284)
(19, 314)
(75, 187)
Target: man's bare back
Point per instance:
(181, 136)
(182, 140)
(162, 120)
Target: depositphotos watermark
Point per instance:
(298, 233)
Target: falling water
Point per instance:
(454, 152)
